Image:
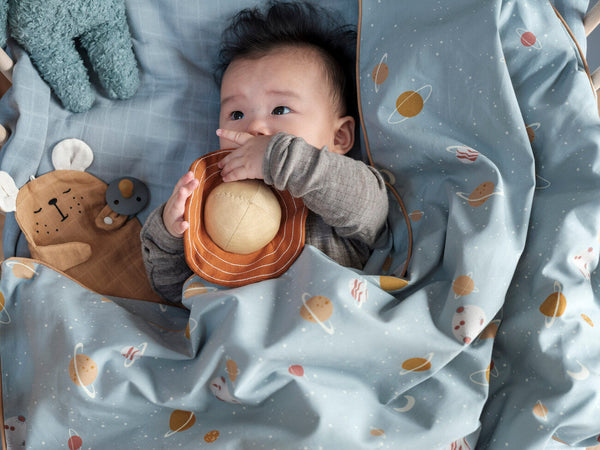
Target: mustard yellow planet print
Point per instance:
(197, 288)
(417, 364)
(490, 331)
(380, 72)
(480, 194)
(377, 432)
(554, 305)
(409, 104)
(416, 215)
(482, 377)
(4, 316)
(190, 327)
(463, 285)
(588, 320)
(540, 410)
(22, 268)
(180, 421)
(232, 370)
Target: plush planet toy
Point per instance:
(242, 216)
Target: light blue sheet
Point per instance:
(506, 105)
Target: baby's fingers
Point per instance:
(189, 176)
(237, 137)
(179, 227)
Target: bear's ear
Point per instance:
(8, 193)
(72, 154)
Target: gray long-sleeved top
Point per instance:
(346, 199)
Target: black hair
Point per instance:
(254, 32)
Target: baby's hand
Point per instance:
(246, 160)
(175, 206)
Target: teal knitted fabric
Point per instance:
(53, 32)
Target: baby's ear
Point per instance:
(344, 135)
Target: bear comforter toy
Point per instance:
(68, 225)
(49, 29)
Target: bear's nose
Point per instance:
(52, 201)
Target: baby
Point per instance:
(287, 108)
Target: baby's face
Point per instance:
(283, 91)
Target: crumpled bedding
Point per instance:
(481, 116)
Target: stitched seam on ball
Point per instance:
(250, 200)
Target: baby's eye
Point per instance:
(280, 110)
(237, 115)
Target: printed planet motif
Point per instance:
(416, 215)
(480, 194)
(528, 39)
(490, 331)
(459, 444)
(467, 323)
(232, 370)
(588, 320)
(482, 377)
(463, 285)
(465, 155)
(197, 288)
(83, 371)
(132, 353)
(180, 421)
(211, 436)
(390, 284)
(540, 410)
(358, 290)
(317, 310)
(377, 432)
(541, 183)
(4, 316)
(15, 431)
(220, 389)
(22, 269)
(380, 72)
(531, 129)
(417, 364)
(75, 442)
(190, 327)
(583, 260)
(409, 104)
(296, 370)
(554, 306)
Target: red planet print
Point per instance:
(75, 442)
(466, 155)
(528, 39)
(296, 370)
(358, 290)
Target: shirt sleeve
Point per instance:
(164, 258)
(348, 194)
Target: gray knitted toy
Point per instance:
(49, 29)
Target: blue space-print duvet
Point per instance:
(482, 118)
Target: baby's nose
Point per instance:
(257, 128)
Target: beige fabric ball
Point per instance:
(242, 216)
